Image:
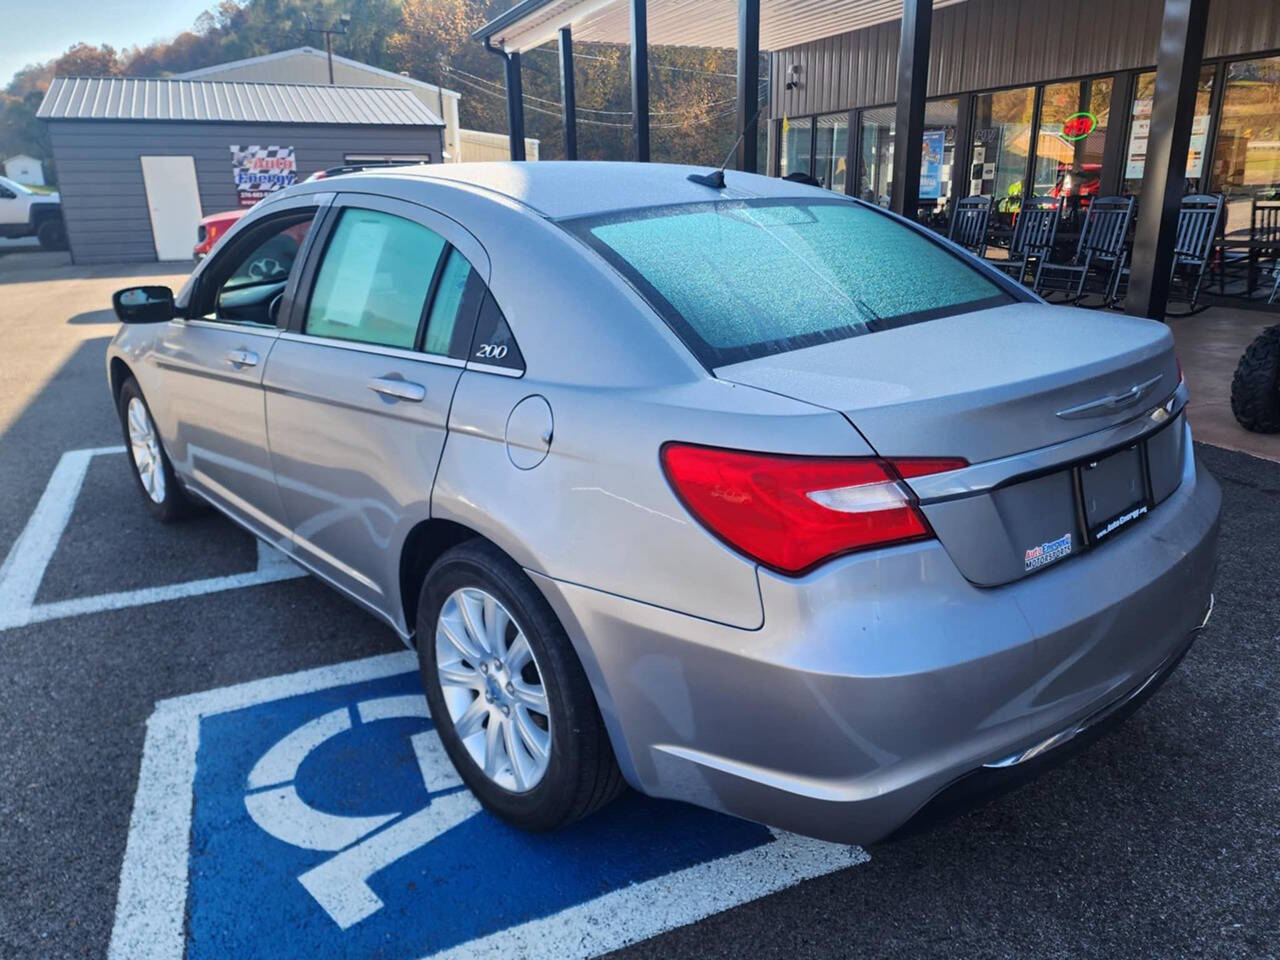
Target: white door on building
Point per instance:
(173, 201)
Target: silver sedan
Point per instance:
(748, 495)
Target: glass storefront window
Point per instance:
(831, 155)
(1246, 159)
(1001, 140)
(1135, 161)
(937, 155)
(797, 146)
(1071, 141)
(875, 164)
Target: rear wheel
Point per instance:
(1255, 389)
(508, 696)
(161, 491)
(52, 234)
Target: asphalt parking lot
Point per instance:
(152, 680)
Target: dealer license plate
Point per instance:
(1114, 492)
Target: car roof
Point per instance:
(563, 189)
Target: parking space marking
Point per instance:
(24, 568)
(178, 838)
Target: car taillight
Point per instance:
(793, 512)
(201, 233)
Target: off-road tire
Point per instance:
(1255, 389)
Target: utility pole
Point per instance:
(340, 28)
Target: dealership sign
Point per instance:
(259, 171)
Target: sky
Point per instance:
(47, 27)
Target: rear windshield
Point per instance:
(743, 279)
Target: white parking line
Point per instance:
(24, 568)
(154, 876)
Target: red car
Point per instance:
(211, 230)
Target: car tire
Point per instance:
(580, 774)
(161, 490)
(52, 234)
(1255, 389)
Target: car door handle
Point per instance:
(398, 389)
(242, 358)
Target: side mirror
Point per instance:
(143, 304)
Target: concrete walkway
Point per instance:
(1209, 346)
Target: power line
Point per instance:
(596, 123)
(499, 89)
(652, 65)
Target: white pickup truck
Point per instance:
(25, 213)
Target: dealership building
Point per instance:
(998, 98)
(140, 161)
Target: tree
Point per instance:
(83, 60)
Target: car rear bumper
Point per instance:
(882, 679)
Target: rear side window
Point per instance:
(373, 283)
(744, 279)
(452, 309)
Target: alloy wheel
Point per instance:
(493, 689)
(144, 444)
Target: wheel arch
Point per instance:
(428, 540)
(117, 373)
(425, 543)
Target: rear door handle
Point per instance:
(242, 358)
(398, 389)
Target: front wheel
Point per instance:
(160, 488)
(1255, 389)
(507, 693)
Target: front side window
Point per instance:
(744, 279)
(373, 283)
(249, 279)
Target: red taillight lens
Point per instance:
(790, 512)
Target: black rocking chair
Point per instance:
(1198, 219)
(969, 224)
(1033, 236)
(1101, 249)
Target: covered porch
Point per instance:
(900, 57)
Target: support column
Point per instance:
(1177, 75)
(567, 97)
(515, 106)
(748, 84)
(913, 78)
(640, 77)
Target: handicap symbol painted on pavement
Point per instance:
(322, 817)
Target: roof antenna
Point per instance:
(715, 178)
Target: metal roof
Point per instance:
(220, 68)
(138, 98)
(687, 23)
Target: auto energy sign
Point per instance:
(259, 171)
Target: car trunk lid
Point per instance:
(980, 385)
(994, 384)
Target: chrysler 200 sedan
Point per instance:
(748, 495)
